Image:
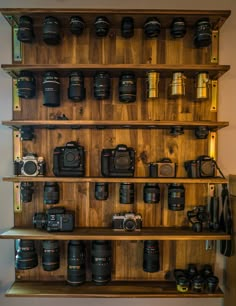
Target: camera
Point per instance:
(101, 25)
(25, 31)
(26, 85)
(54, 220)
(127, 87)
(202, 36)
(127, 222)
(51, 255)
(69, 160)
(176, 197)
(26, 191)
(152, 27)
(151, 193)
(126, 193)
(51, 30)
(127, 27)
(118, 162)
(101, 85)
(51, 193)
(77, 25)
(51, 89)
(76, 90)
(197, 217)
(151, 260)
(203, 166)
(162, 168)
(26, 257)
(178, 27)
(101, 191)
(30, 165)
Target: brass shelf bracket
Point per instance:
(214, 95)
(215, 47)
(16, 99)
(212, 145)
(16, 186)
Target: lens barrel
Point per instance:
(26, 85)
(178, 27)
(26, 133)
(176, 197)
(127, 87)
(151, 193)
(26, 191)
(127, 27)
(202, 36)
(51, 89)
(152, 27)
(51, 30)
(25, 31)
(77, 25)
(102, 85)
(101, 191)
(151, 261)
(51, 193)
(50, 255)
(76, 90)
(126, 193)
(102, 26)
(26, 257)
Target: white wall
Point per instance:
(227, 145)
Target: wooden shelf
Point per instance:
(111, 124)
(215, 71)
(97, 233)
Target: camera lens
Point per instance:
(126, 193)
(51, 193)
(201, 132)
(212, 283)
(127, 27)
(25, 31)
(76, 263)
(101, 261)
(151, 193)
(198, 283)
(26, 85)
(101, 191)
(40, 220)
(26, 133)
(151, 262)
(182, 281)
(192, 271)
(77, 25)
(51, 255)
(176, 197)
(51, 31)
(202, 36)
(102, 26)
(206, 271)
(51, 89)
(176, 130)
(26, 257)
(102, 85)
(152, 27)
(152, 81)
(76, 90)
(127, 87)
(178, 27)
(26, 191)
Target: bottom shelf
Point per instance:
(115, 289)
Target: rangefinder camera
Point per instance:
(127, 222)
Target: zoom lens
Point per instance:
(51, 193)
(51, 31)
(102, 85)
(151, 261)
(26, 133)
(26, 257)
(152, 27)
(76, 90)
(25, 31)
(26, 85)
(201, 132)
(198, 283)
(176, 197)
(178, 27)
(102, 26)
(151, 193)
(127, 27)
(77, 25)
(127, 87)
(51, 89)
(76, 263)
(126, 193)
(26, 191)
(51, 255)
(212, 283)
(202, 36)
(101, 261)
(101, 191)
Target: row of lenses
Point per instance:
(51, 30)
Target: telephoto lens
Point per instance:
(76, 89)
(26, 85)
(26, 133)
(26, 257)
(176, 197)
(51, 89)
(127, 87)
(26, 191)
(101, 261)
(101, 191)
(127, 27)
(102, 26)
(212, 283)
(50, 255)
(51, 30)
(202, 35)
(151, 193)
(51, 193)
(151, 261)
(76, 272)
(77, 25)
(178, 27)
(102, 85)
(152, 27)
(25, 31)
(126, 193)
(201, 132)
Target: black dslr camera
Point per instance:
(118, 162)
(54, 220)
(127, 222)
(203, 166)
(30, 165)
(197, 217)
(69, 160)
(162, 168)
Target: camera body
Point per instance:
(54, 220)
(69, 160)
(162, 168)
(30, 165)
(203, 166)
(118, 162)
(127, 222)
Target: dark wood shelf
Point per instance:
(115, 289)
(215, 71)
(98, 233)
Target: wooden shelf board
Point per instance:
(97, 233)
(115, 289)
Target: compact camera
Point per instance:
(69, 160)
(30, 165)
(127, 222)
(203, 166)
(197, 217)
(118, 162)
(54, 220)
(162, 168)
